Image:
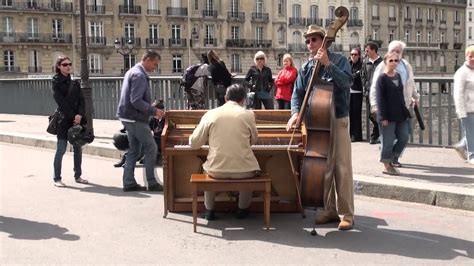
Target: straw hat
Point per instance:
(314, 29)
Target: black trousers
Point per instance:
(375, 126)
(268, 103)
(355, 116)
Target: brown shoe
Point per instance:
(345, 225)
(390, 170)
(326, 218)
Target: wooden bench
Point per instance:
(204, 182)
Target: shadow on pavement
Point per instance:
(369, 237)
(25, 229)
(449, 174)
(112, 191)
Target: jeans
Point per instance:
(391, 149)
(283, 105)
(268, 103)
(139, 135)
(467, 124)
(58, 159)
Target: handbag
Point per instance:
(54, 121)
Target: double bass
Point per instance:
(318, 112)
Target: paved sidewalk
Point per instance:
(430, 175)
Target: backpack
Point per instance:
(189, 77)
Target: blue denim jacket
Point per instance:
(338, 72)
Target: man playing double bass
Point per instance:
(336, 69)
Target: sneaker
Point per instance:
(397, 164)
(136, 187)
(156, 187)
(59, 183)
(81, 181)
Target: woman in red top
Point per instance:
(284, 82)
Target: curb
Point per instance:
(378, 187)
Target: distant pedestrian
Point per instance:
(221, 77)
(355, 110)
(134, 111)
(392, 113)
(369, 64)
(284, 82)
(464, 102)
(68, 95)
(261, 79)
(196, 94)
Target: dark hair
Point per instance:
(204, 58)
(356, 49)
(373, 46)
(236, 92)
(213, 57)
(159, 104)
(150, 54)
(59, 60)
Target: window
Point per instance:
(391, 11)
(456, 37)
(442, 16)
(153, 34)
(259, 6)
(129, 61)
(177, 63)
(153, 5)
(470, 16)
(296, 37)
(95, 63)
(407, 35)
(429, 14)
(296, 11)
(314, 12)
(8, 28)
(407, 12)
(130, 32)
(418, 36)
(259, 34)
(176, 32)
(96, 32)
(209, 40)
(235, 63)
(456, 16)
(375, 34)
(32, 25)
(235, 32)
(331, 15)
(430, 37)
(281, 35)
(58, 29)
(375, 10)
(31, 4)
(354, 13)
(280, 60)
(7, 2)
(209, 5)
(441, 37)
(281, 7)
(418, 13)
(469, 33)
(391, 35)
(9, 61)
(418, 60)
(441, 60)
(428, 61)
(34, 65)
(234, 6)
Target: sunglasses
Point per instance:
(354, 54)
(66, 64)
(312, 39)
(261, 58)
(393, 60)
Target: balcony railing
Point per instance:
(248, 43)
(34, 38)
(179, 42)
(314, 21)
(457, 46)
(10, 69)
(95, 9)
(443, 45)
(208, 13)
(35, 69)
(236, 69)
(96, 41)
(355, 23)
(130, 10)
(155, 42)
(392, 19)
(136, 42)
(235, 16)
(260, 17)
(36, 6)
(96, 71)
(153, 12)
(176, 11)
(296, 21)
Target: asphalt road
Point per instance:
(100, 224)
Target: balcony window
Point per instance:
(34, 64)
(235, 63)
(95, 64)
(281, 7)
(235, 32)
(33, 28)
(9, 61)
(153, 7)
(96, 32)
(177, 63)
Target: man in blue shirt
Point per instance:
(337, 70)
(134, 111)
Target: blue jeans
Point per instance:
(467, 124)
(58, 159)
(139, 136)
(391, 149)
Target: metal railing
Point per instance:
(436, 102)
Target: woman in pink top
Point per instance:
(284, 82)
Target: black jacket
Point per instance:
(356, 79)
(390, 99)
(368, 69)
(70, 103)
(220, 75)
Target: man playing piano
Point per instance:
(230, 130)
(336, 69)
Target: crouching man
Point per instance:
(230, 131)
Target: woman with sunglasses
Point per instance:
(355, 106)
(68, 95)
(261, 79)
(392, 113)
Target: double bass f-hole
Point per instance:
(317, 110)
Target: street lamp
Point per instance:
(121, 50)
(85, 86)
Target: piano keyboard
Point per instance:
(254, 147)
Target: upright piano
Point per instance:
(180, 161)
